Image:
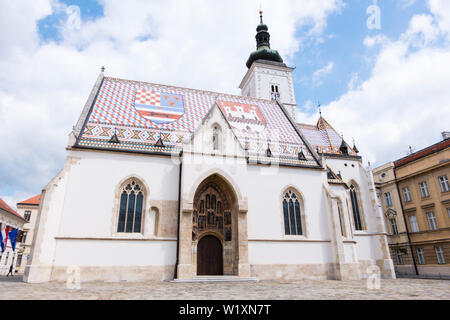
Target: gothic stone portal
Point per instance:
(213, 232)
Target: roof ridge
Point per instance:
(195, 90)
(7, 208)
(31, 200)
(419, 154)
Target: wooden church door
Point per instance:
(209, 256)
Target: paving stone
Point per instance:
(404, 289)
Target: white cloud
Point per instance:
(406, 101)
(318, 75)
(441, 10)
(200, 43)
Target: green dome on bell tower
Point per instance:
(263, 51)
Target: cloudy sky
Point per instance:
(389, 88)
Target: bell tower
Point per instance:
(268, 77)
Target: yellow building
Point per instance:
(415, 192)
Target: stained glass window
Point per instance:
(355, 207)
(292, 214)
(131, 208)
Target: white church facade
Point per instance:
(163, 183)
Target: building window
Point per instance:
(24, 237)
(355, 208)
(274, 92)
(432, 221)
(448, 212)
(216, 138)
(406, 194)
(292, 214)
(19, 260)
(420, 255)
(440, 254)
(27, 215)
(443, 181)
(424, 189)
(131, 208)
(394, 228)
(341, 220)
(413, 223)
(399, 255)
(387, 195)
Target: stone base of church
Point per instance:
(386, 268)
(37, 274)
(292, 271)
(108, 274)
(345, 272)
(348, 272)
(287, 272)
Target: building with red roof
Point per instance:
(415, 193)
(9, 221)
(29, 209)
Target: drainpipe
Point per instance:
(179, 214)
(406, 224)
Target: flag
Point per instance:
(4, 238)
(159, 107)
(13, 238)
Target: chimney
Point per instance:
(445, 135)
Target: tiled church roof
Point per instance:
(322, 136)
(142, 114)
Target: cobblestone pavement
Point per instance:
(404, 289)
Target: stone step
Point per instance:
(215, 279)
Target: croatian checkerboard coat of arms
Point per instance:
(244, 117)
(159, 107)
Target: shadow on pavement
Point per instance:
(16, 278)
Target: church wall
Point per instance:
(92, 193)
(357, 174)
(371, 247)
(289, 252)
(104, 253)
(43, 247)
(265, 191)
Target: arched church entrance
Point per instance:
(214, 228)
(209, 256)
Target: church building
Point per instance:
(169, 183)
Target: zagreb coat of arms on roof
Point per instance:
(244, 117)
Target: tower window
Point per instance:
(275, 93)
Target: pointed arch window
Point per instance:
(292, 213)
(274, 92)
(131, 208)
(355, 208)
(215, 138)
